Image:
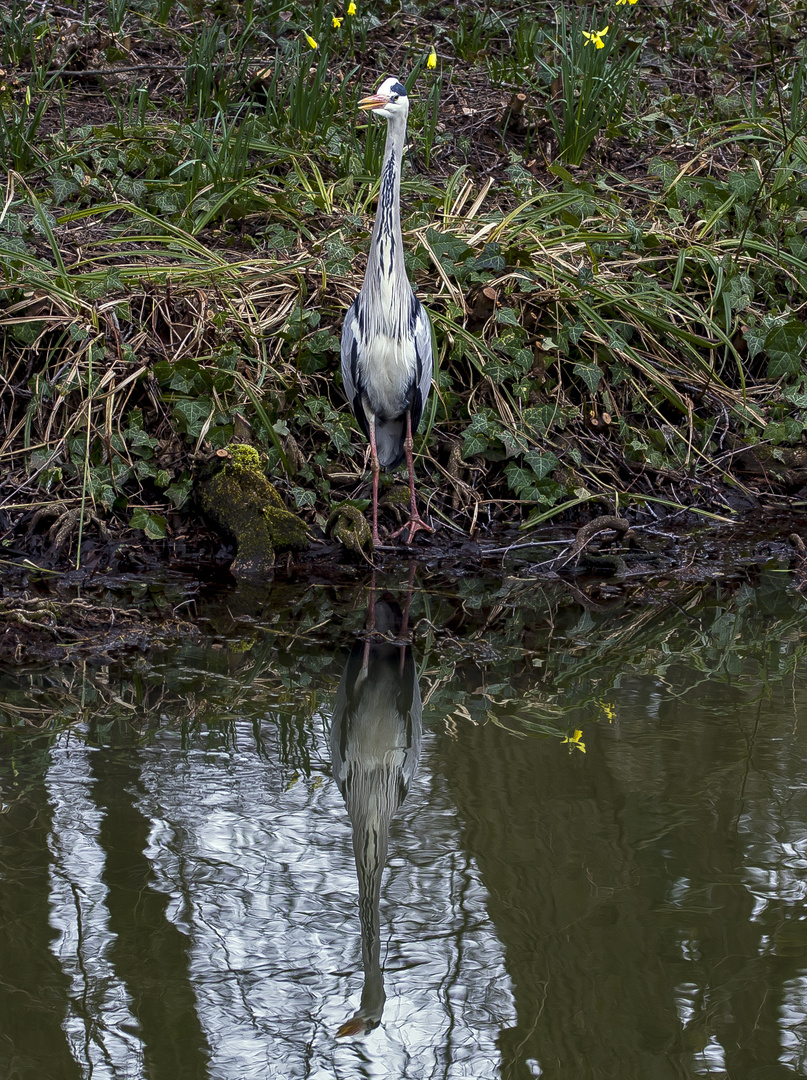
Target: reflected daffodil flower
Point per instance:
(336, 22)
(576, 740)
(432, 61)
(596, 37)
(311, 41)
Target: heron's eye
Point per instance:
(394, 98)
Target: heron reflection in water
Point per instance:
(375, 748)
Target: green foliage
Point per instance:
(187, 257)
(518, 57)
(20, 30)
(471, 33)
(595, 72)
(154, 525)
(20, 119)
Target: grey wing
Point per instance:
(422, 332)
(350, 343)
(351, 347)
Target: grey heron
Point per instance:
(375, 748)
(386, 338)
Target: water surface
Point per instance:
(583, 855)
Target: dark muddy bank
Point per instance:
(131, 597)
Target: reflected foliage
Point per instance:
(538, 658)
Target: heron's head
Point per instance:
(389, 100)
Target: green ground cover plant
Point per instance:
(607, 226)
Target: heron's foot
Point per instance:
(415, 525)
(356, 1025)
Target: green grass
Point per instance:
(614, 260)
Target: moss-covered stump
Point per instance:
(242, 502)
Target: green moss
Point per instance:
(241, 500)
(397, 495)
(245, 458)
(349, 526)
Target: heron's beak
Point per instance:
(374, 101)
(354, 1026)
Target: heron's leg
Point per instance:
(405, 621)
(416, 522)
(376, 468)
(371, 606)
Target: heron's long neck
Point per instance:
(386, 278)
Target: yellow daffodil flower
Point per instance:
(351, 8)
(432, 61)
(609, 710)
(336, 22)
(576, 740)
(596, 37)
(311, 41)
(619, 3)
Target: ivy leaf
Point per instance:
(180, 490)
(450, 252)
(739, 292)
(490, 259)
(323, 341)
(191, 414)
(473, 443)
(165, 202)
(497, 373)
(755, 339)
(591, 375)
(541, 464)
(338, 257)
(744, 185)
(513, 444)
(784, 345)
(131, 189)
(575, 331)
(303, 498)
(39, 223)
(154, 525)
(665, 170)
(63, 188)
(508, 317)
(521, 481)
(527, 486)
(542, 417)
